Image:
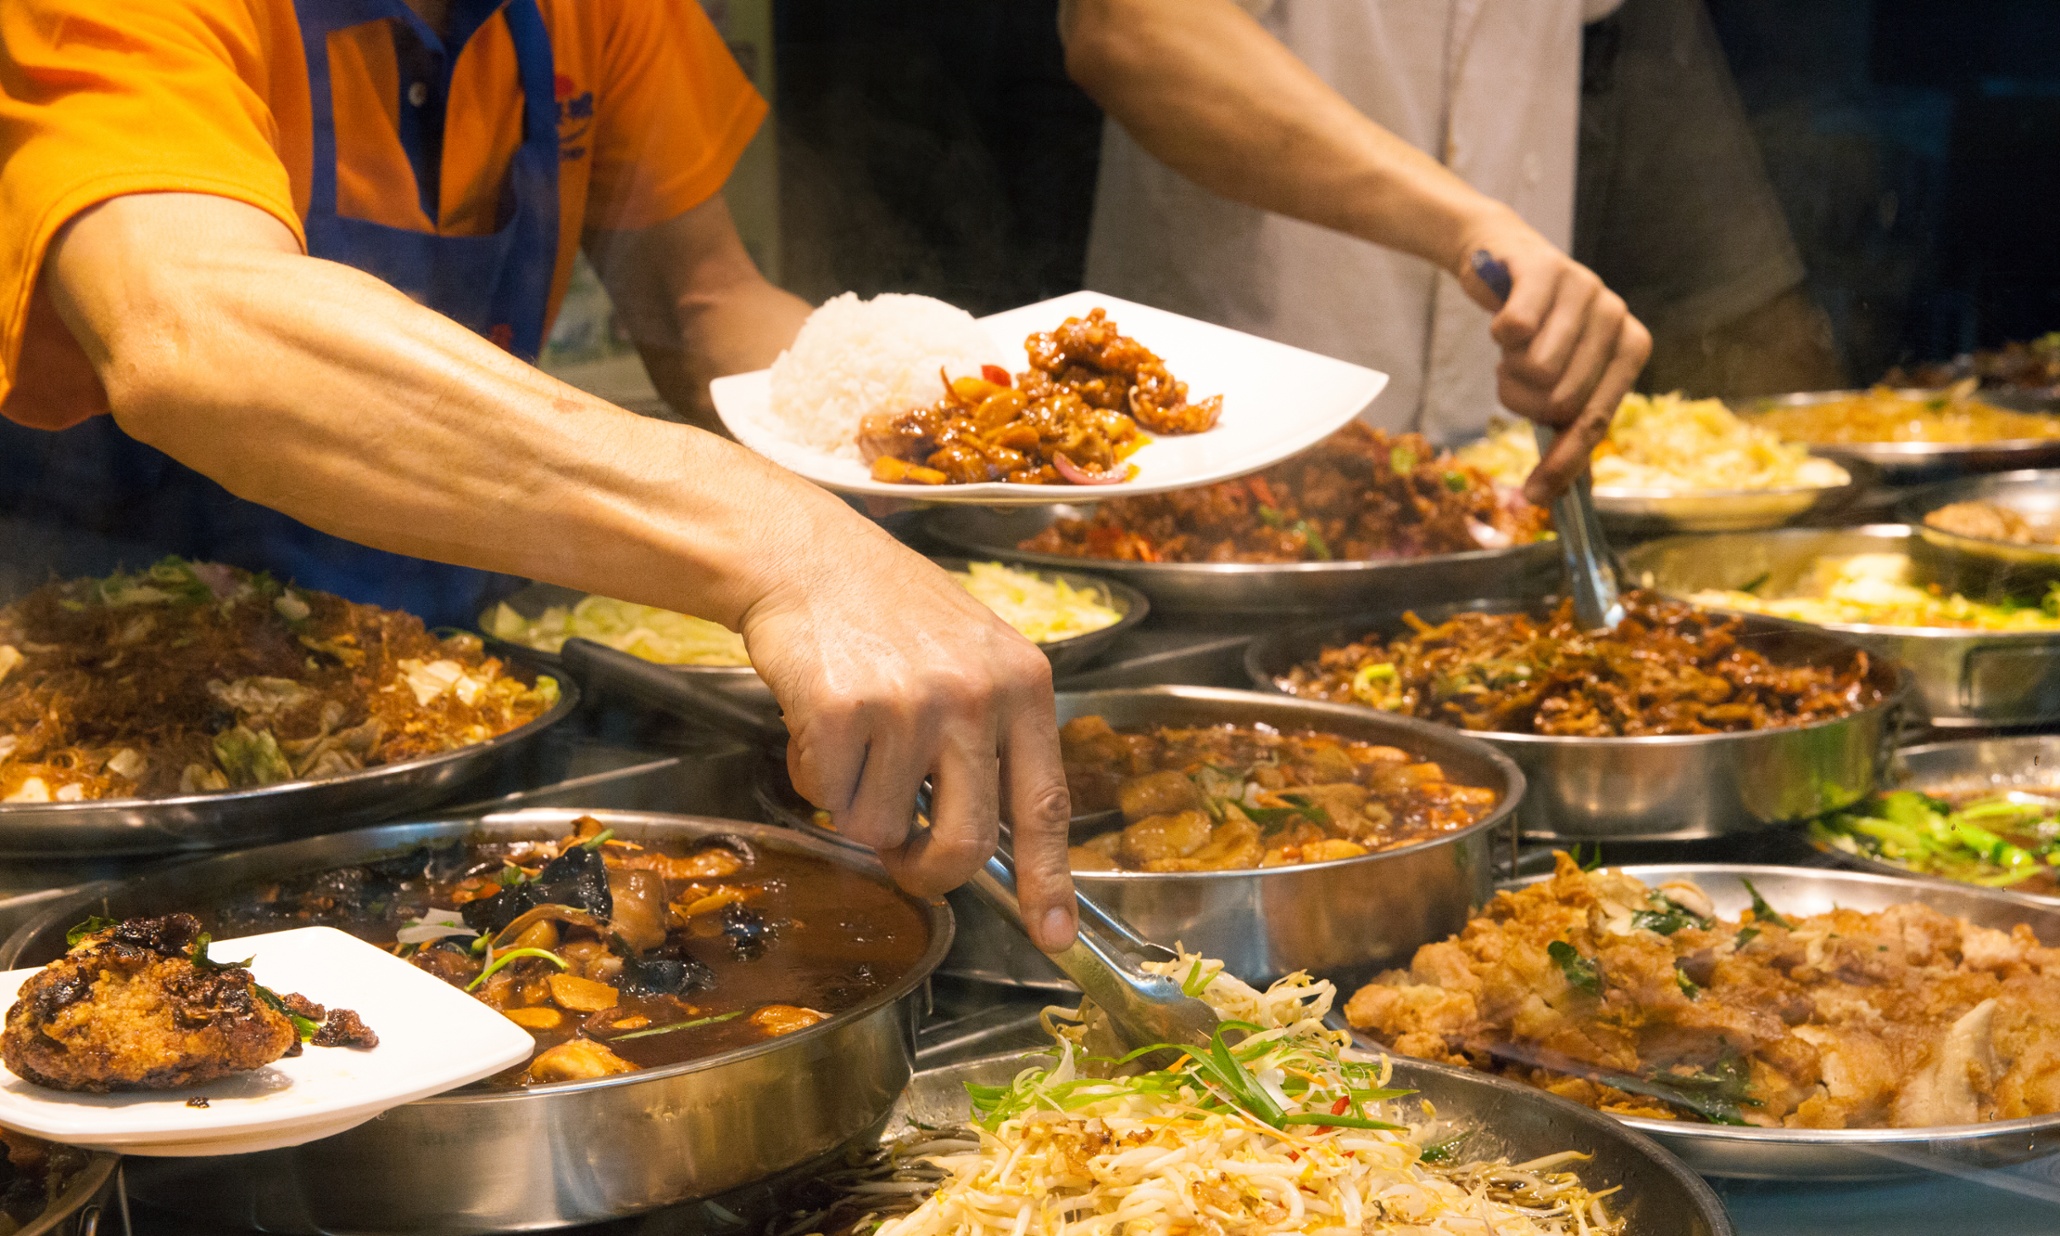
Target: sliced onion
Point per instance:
(423, 933)
(1488, 537)
(1086, 476)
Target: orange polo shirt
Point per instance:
(100, 98)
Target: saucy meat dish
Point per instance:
(1644, 1002)
(1992, 521)
(1223, 797)
(1668, 668)
(193, 677)
(1359, 495)
(1088, 401)
(616, 955)
(33, 1175)
(139, 1005)
(2031, 367)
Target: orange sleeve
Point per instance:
(99, 99)
(672, 113)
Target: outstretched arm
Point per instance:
(1211, 94)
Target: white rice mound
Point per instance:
(857, 357)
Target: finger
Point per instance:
(1591, 358)
(964, 824)
(1570, 454)
(826, 752)
(1040, 812)
(897, 747)
(1530, 303)
(1544, 361)
(1527, 399)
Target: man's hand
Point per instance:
(1570, 349)
(890, 673)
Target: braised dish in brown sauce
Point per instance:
(1669, 668)
(1229, 797)
(616, 955)
(33, 1175)
(1359, 495)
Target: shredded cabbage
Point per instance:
(1044, 610)
(1878, 590)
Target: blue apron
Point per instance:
(96, 477)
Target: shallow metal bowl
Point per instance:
(1300, 588)
(1850, 1154)
(1346, 919)
(188, 822)
(479, 1160)
(1976, 565)
(88, 1205)
(1962, 678)
(1913, 463)
(1657, 1197)
(1666, 788)
(1643, 512)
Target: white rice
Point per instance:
(857, 357)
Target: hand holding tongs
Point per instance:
(1590, 576)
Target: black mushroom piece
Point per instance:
(747, 931)
(577, 878)
(664, 971)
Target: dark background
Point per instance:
(937, 146)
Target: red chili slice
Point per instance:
(995, 374)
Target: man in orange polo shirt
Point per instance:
(270, 271)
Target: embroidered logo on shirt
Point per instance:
(575, 117)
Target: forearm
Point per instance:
(313, 388)
(1210, 93)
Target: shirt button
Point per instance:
(418, 93)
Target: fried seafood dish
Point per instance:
(1951, 416)
(1642, 1002)
(195, 677)
(33, 1175)
(614, 955)
(1229, 797)
(1359, 495)
(1991, 521)
(139, 1005)
(2009, 840)
(1087, 403)
(1669, 668)
(1883, 590)
(1281, 1126)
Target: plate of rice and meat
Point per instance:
(909, 397)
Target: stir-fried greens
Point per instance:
(1880, 590)
(192, 677)
(1997, 840)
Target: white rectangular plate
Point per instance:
(432, 1038)
(1277, 400)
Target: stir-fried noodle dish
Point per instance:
(194, 677)
(1279, 1125)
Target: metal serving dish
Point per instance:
(1850, 1154)
(1665, 788)
(1345, 920)
(1982, 567)
(90, 1204)
(1645, 512)
(479, 1160)
(1962, 678)
(187, 822)
(1300, 588)
(1658, 1196)
(1912, 463)
(1066, 656)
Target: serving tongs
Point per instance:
(1103, 960)
(1591, 576)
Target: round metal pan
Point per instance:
(88, 1205)
(1981, 567)
(1300, 588)
(478, 1160)
(1850, 1154)
(1666, 788)
(1657, 1196)
(2028, 764)
(107, 828)
(1344, 920)
(741, 681)
(1962, 678)
(1913, 463)
(1649, 512)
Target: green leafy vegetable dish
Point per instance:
(1996, 840)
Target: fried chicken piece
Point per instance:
(128, 1009)
(344, 1028)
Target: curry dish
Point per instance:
(1087, 402)
(615, 955)
(196, 677)
(1359, 495)
(1643, 1002)
(1669, 668)
(1224, 797)
(1951, 416)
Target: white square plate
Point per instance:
(1277, 400)
(432, 1038)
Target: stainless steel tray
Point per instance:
(1983, 567)
(91, 1204)
(189, 822)
(1645, 513)
(1850, 1154)
(477, 1160)
(1912, 463)
(1301, 588)
(1658, 1197)
(1344, 920)
(1669, 788)
(1962, 678)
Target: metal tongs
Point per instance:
(1102, 961)
(1590, 575)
